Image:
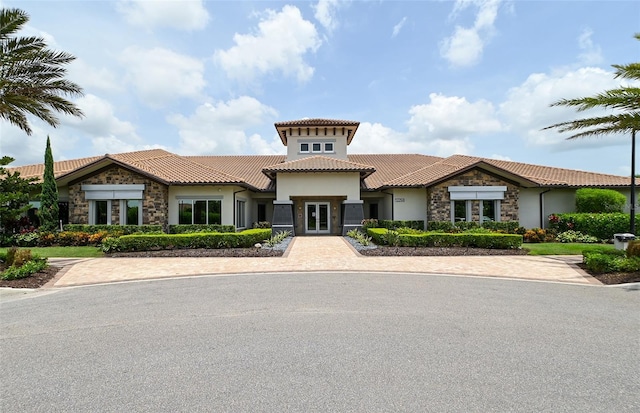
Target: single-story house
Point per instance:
(316, 188)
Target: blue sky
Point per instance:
(469, 77)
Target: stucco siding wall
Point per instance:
(225, 193)
(529, 206)
(558, 201)
(410, 204)
(318, 184)
(339, 143)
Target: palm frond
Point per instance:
(32, 76)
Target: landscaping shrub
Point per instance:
(395, 224)
(27, 239)
(405, 230)
(21, 263)
(215, 240)
(535, 235)
(576, 236)
(73, 239)
(592, 200)
(439, 239)
(27, 269)
(633, 249)
(601, 226)
(262, 224)
(359, 236)
(277, 239)
(370, 223)
(505, 227)
(196, 228)
(113, 230)
(601, 263)
(47, 239)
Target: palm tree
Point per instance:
(32, 76)
(625, 100)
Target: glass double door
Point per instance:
(317, 218)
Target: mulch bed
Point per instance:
(39, 279)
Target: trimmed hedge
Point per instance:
(439, 239)
(592, 200)
(393, 224)
(213, 240)
(508, 227)
(197, 228)
(113, 229)
(602, 226)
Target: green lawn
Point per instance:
(63, 252)
(559, 248)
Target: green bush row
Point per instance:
(602, 262)
(113, 229)
(508, 227)
(195, 228)
(214, 240)
(394, 224)
(438, 239)
(601, 226)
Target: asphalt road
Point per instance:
(321, 343)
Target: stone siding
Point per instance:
(155, 205)
(439, 201)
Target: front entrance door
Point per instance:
(317, 218)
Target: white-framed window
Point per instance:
(460, 210)
(317, 147)
(131, 212)
(241, 216)
(100, 212)
(489, 210)
(200, 211)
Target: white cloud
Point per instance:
(278, 45)
(398, 27)
(466, 45)
(325, 13)
(376, 138)
(160, 75)
(452, 117)
(526, 110)
(90, 77)
(591, 53)
(100, 129)
(220, 129)
(182, 15)
(107, 132)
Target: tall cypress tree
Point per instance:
(49, 197)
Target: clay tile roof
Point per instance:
(59, 168)
(172, 168)
(316, 122)
(391, 166)
(551, 176)
(282, 127)
(318, 164)
(247, 167)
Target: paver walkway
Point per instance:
(316, 254)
